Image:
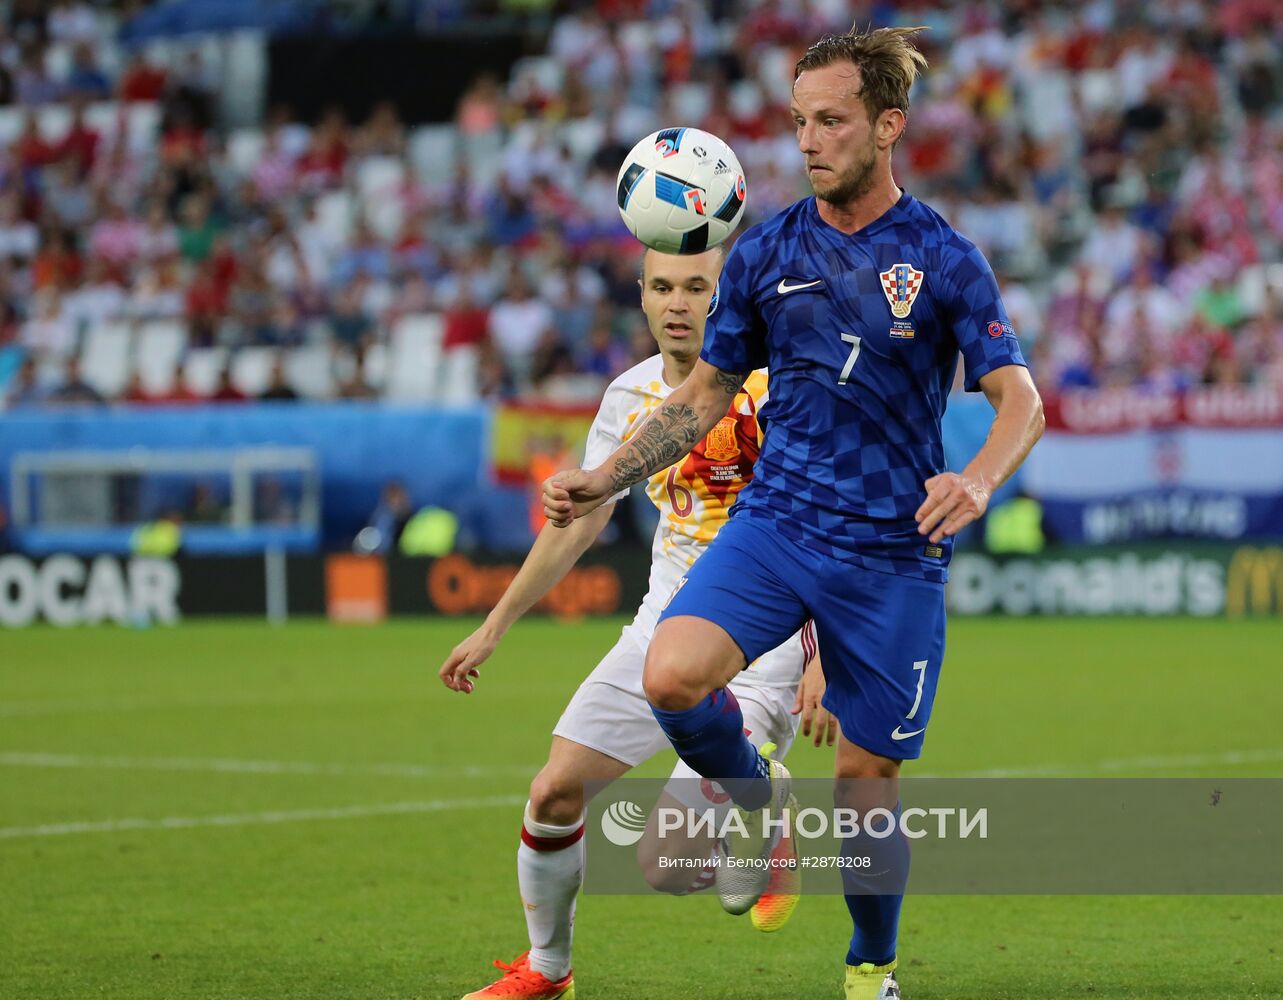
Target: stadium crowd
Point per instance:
(1121, 165)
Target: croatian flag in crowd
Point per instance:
(1126, 464)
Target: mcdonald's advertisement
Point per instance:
(1199, 580)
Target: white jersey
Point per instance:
(694, 496)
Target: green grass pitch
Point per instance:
(235, 811)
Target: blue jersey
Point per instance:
(861, 335)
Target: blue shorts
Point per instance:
(881, 635)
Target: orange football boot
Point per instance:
(521, 981)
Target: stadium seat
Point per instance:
(457, 381)
(584, 136)
(636, 36)
(144, 122)
(158, 352)
(691, 102)
(308, 371)
(433, 152)
(251, 369)
(244, 148)
(50, 370)
(376, 367)
(58, 60)
(776, 72)
(546, 71)
(378, 174)
(104, 361)
(483, 153)
(377, 182)
(414, 359)
(53, 120)
(104, 117)
(1260, 284)
(202, 368)
(746, 99)
(633, 121)
(245, 61)
(10, 124)
(334, 215)
(111, 58)
(316, 331)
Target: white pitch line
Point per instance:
(23, 709)
(288, 767)
(441, 805)
(230, 765)
(237, 766)
(253, 819)
(1149, 763)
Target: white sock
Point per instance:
(550, 870)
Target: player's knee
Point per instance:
(867, 783)
(668, 684)
(671, 692)
(556, 798)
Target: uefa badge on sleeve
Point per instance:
(901, 283)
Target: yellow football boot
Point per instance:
(872, 982)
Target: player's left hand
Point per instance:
(816, 720)
(952, 502)
(464, 662)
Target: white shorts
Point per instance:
(610, 714)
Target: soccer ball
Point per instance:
(681, 190)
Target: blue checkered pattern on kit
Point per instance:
(844, 462)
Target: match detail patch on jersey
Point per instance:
(901, 283)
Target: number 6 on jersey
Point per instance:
(854, 341)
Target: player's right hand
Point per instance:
(464, 660)
(817, 722)
(573, 493)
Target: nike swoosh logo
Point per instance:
(897, 735)
(784, 287)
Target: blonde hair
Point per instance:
(888, 63)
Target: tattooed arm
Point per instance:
(665, 437)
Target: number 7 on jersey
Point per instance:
(854, 341)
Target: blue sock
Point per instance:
(710, 738)
(876, 917)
